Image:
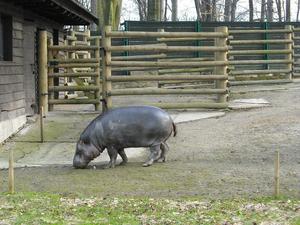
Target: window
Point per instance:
(5, 38)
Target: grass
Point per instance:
(45, 208)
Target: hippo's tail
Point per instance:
(174, 129)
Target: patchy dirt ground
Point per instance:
(214, 158)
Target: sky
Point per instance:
(186, 9)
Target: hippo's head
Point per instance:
(86, 151)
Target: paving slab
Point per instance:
(248, 103)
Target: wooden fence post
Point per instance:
(43, 67)
(221, 56)
(50, 71)
(97, 78)
(277, 165)
(42, 123)
(106, 68)
(11, 175)
(289, 46)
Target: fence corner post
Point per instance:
(97, 79)
(43, 70)
(221, 56)
(106, 68)
(289, 46)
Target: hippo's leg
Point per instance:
(123, 156)
(164, 148)
(113, 153)
(154, 155)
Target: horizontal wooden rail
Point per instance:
(89, 60)
(88, 74)
(251, 62)
(73, 101)
(165, 91)
(258, 52)
(254, 82)
(71, 38)
(245, 72)
(94, 37)
(277, 31)
(180, 39)
(72, 48)
(168, 64)
(81, 43)
(296, 46)
(142, 48)
(75, 65)
(185, 70)
(73, 88)
(242, 42)
(296, 29)
(187, 59)
(137, 34)
(166, 77)
(78, 33)
(135, 57)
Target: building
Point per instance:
(20, 22)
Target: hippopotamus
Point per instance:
(124, 127)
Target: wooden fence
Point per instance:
(149, 62)
(77, 65)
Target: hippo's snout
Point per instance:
(78, 163)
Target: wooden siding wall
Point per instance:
(12, 74)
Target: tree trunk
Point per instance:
(250, 10)
(263, 10)
(227, 10)
(94, 11)
(214, 10)
(174, 10)
(166, 10)
(233, 10)
(298, 9)
(278, 6)
(198, 9)
(154, 10)
(142, 8)
(288, 11)
(109, 13)
(269, 10)
(207, 10)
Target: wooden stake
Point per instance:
(11, 176)
(277, 163)
(42, 123)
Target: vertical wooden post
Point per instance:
(289, 46)
(51, 70)
(43, 77)
(97, 70)
(221, 56)
(106, 68)
(11, 175)
(42, 123)
(277, 165)
(158, 59)
(86, 39)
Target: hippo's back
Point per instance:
(136, 126)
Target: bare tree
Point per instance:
(279, 10)
(288, 11)
(233, 10)
(227, 10)
(263, 10)
(142, 8)
(298, 9)
(214, 10)
(198, 9)
(269, 10)
(174, 10)
(250, 10)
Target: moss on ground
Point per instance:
(43, 208)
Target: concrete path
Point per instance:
(60, 143)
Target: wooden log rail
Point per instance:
(164, 64)
(167, 77)
(276, 31)
(77, 57)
